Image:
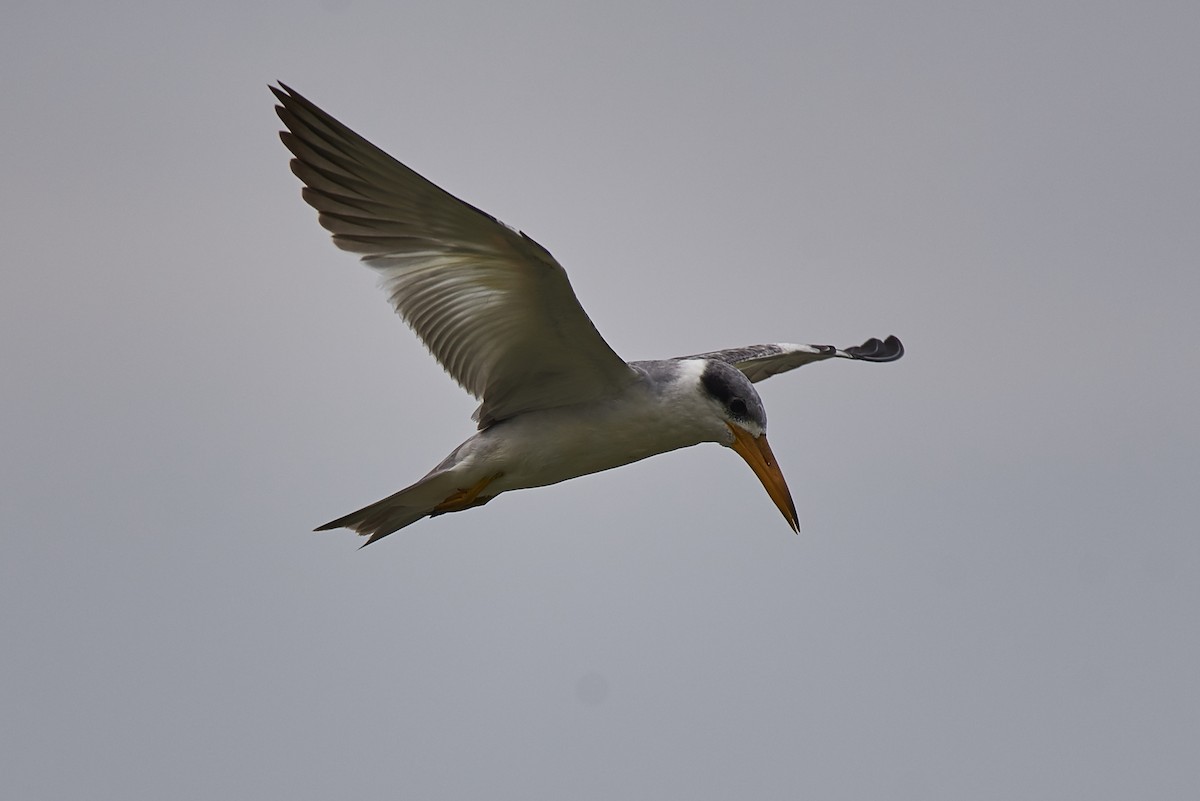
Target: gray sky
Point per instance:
(995, 592)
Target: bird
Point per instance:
(498, 312)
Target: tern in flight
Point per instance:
(497, 311)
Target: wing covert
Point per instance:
(759, 362)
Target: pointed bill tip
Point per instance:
(757, 453)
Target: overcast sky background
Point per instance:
(995, 592)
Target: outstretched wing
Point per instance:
(492, 305)
(763, 361)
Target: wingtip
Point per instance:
(877, 350)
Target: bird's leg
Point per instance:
(465, 499)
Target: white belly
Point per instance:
(546, 447)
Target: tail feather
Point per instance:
(378, 520)
(395, 511)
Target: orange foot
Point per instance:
(465, 499)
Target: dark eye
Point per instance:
(737, 407)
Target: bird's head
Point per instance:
(738, 406)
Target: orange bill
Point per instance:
(757, 454)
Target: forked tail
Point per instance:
(433, 495)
